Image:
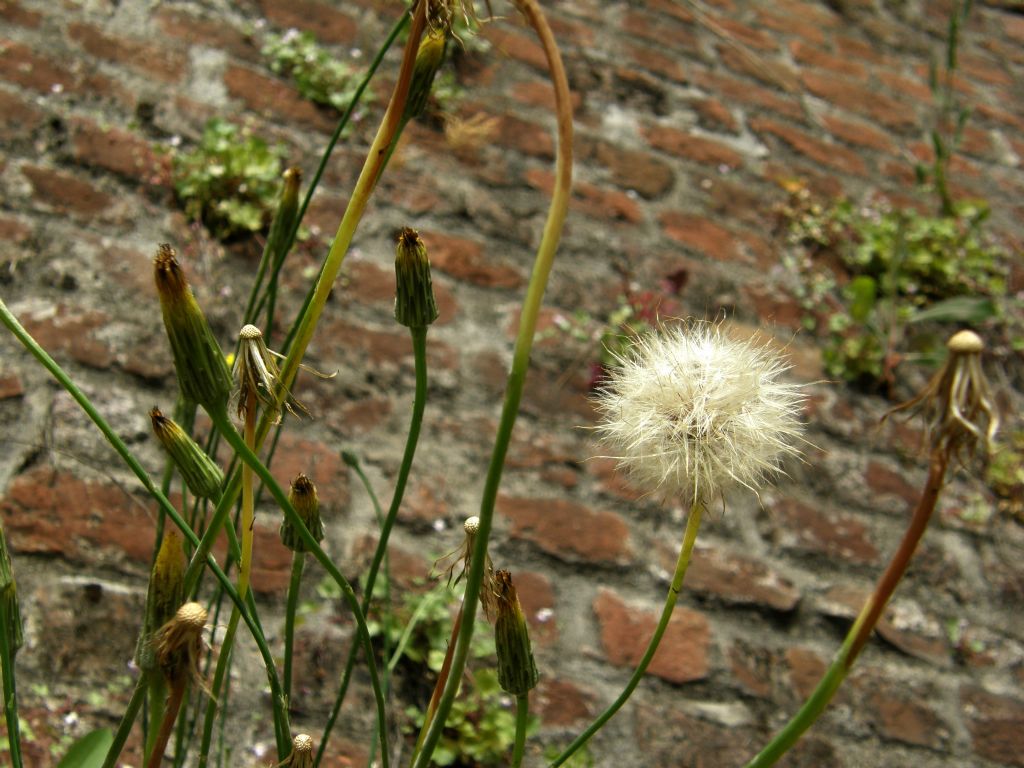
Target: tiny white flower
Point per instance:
(691, 412)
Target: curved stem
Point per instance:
(294, 585)
(522, 721)
(861, 630)
(520, 363)
(682, 563)
(223, 424)
(419, 347)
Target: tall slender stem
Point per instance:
(156, 756)
(522, 721)
(419, 347)
(520, 363)
(127, 720)
(868, 617)
(294, 587)
(10, 688)
(682, 563)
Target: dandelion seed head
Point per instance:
(690, 412)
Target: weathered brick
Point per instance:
(885, 481)
(568, 530)
(861, 99)
(118, 151)
(860, 134)
(774, 306)
(540, 93)
(10, 386)
(902, 712)
(390, 349)
(23, 66)
(735, 579)
(13, 12)
(902, 85)
(464, 259)
(538, 602)
(321, 463)
(215, 33)
(702, 235)
(631, 169)
(144, 56)
(820, 152)
(21, 118)
(801, 527)
(272, 97)
(682, 656)
(802, 26)
(607, 205)
(561, 702)
(64, 193)
(713, 115)
(644, 58)
(661, 31)
(368, 284)
(63, 329)
(745, 35)
(745, 62)
(523, 136)
(611, 480)
(743, 92)
(408, 570)
(994, 721)
(322, 19)
(685, 145)
(815, 57)
(804, 669)
(670, 738)
(751, 668)
(516, 44)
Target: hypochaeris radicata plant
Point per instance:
(689, 413)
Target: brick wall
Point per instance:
(687, 123)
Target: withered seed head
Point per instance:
(304, 499)
(258, 375)
(302, 752)
(201, 474)
(459, 559)
(179, 644)
(198, 360)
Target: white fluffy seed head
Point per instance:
(690, 412)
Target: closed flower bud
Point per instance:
(166, 594)
(517, 671)
(284, 218)
(304, 499)
(429, 58)
(201, 474)
(414, 292)
(9, 600)
(203, 374)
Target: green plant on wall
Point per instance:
(319, 75)
(229, 181)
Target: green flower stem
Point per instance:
(868, 617)
(522, 721)
(683, 562)
(298, 561)
(156, 757)
(127, 720)
(10, 688)
(442, 681)
(23, 336)
(354, 211)
(219, 676)
(157, 701)
(419, 347)
(223, 424)
(520, 363)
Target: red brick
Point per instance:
(118, 151)
(12, 12)
(774, 306)
(21, 118)
(804, 670)
(702, 235)
(815, 57)
(861, 99)
(745, 62)
(10, 386)
(216, 33)
(743, 35)
(731, 89)
(902, 85)
(321, 463)
(855, 47)
(612, 481)
(567, 530)
(424, 503)
(685, 145)
(820, 152)
(14, 230)
(644, 58)
(604, 204)
(145, 56)
(561, 703)
(659, 30)
(994, 721)
(326, 22)
(384, 350)
(668, 738)
(540, 93)
(516, 44)
(269, 96)
(778, 20)
(23, 66)
(752, 669)
(798, 526)
(901, 712)
(368, 284)
(734, 579)
(630, 169)
(714, 115)
(61, 329)
(885, 481)
(407, 570)
(523, 136)
(64, 193)
(860, 134)
(538, 601)
(985, 70)
(682, 656)
(464, 259)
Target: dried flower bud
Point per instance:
(9, 599)
(429, 58)
(459, 559)
(303, 498)
(414, 292)
(201, 474)
(517, 671)
(179, 646)
(203, 374)
(258, 375)
(166, 593)
(302, 755)
(956, 404)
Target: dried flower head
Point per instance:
(691, 412)
(179, 646)
(459, 560)
(302, 755)
(259, 377)
(956, 404)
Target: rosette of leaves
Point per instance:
(319, 75)
(229, 181)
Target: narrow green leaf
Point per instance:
(89, 751)
(959, 309)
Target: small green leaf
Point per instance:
(863, 294)
(89, 751)
(959, 309)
